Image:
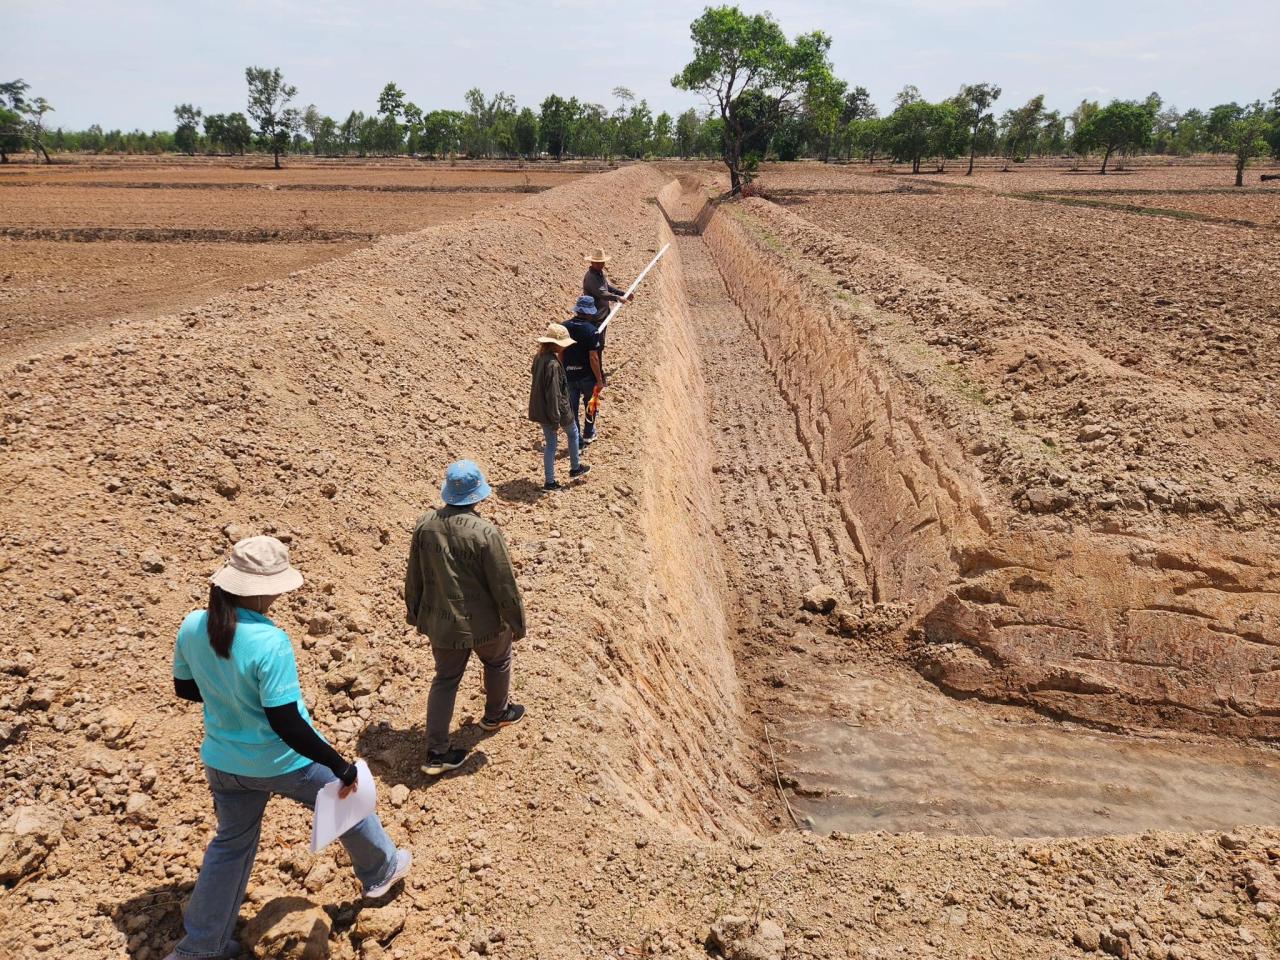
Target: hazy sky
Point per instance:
(125, 63)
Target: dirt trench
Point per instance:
(868, 742)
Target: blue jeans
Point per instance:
(210, 918)
(580, 393)
(551, 437)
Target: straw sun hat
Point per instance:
(558, 334)
(258, 567)
(597, 257)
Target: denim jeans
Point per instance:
(580, 393)
(550, 437)
(239, 802)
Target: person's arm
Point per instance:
(299, 736)
(501, 578)
(184, 683)
(279, 692)
(413, 581)
(596, 368)
(556, 399)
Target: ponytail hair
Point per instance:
(221, 625)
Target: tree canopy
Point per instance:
(735, 54)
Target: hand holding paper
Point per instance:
(334, 815)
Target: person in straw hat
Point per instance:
(460, 590)
(597, 286)
(258, 741)
(549, 404)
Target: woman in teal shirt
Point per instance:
(258, 741)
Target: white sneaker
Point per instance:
(404, 860)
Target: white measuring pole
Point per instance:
(632, 289)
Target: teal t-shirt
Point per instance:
(261, 672)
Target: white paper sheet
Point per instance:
(335, 817)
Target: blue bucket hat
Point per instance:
(464, 484)
(586, 306)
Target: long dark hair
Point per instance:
(221, 625)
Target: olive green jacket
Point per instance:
(460, 588)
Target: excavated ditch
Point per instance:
(830, 473)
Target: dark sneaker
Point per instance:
(510, 716)
(438, 763)
(404, 860)
(553, 485)
(582, 471)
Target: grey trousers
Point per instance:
(450, 666)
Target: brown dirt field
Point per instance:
(297, 170)
(769, 428)
(1260, 207)
(52, 292)
(293, 213)
(1021, 178)
(156, 250)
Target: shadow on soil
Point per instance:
(153, 920)
(520, 491)
(396, 756)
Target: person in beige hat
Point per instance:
(258, 741)
(597, 286)
(549, 404)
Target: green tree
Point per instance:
(734, 53)
(215, 131)
(311, 124)
(187, 135)
(442, 132)
(269, 98)
(13, 104)
(484, 121)
(662, 141)
(1122, 125)
(974, 102)
(526, 133)
(390, 107)
(687, 133)
(1022, 127)
(556, 124)
(238, 133)
(868, 136)
(824, 106)
(413, 127)
(919, 129)
(1241, 132)
(349, 132)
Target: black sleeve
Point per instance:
(297, 734)
(187, 690)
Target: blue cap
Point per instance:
(464, 484)
(585, 306)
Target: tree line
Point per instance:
(769, 98)
(778, 98)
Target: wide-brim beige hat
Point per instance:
(598, 257)
(558, 334)
(258, 567)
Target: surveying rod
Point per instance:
(631, 289)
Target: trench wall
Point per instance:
(678, 692)
(1125, 630)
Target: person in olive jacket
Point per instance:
(549, 404)
(460, 590)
